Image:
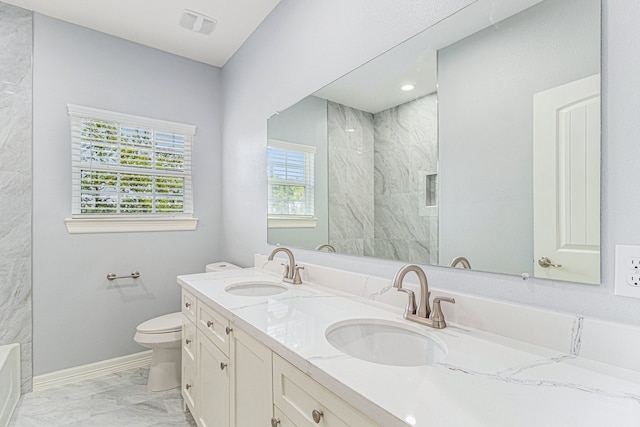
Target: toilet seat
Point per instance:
(163, 324)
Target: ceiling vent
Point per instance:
(197, 22)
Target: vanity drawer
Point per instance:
(188, 385)
(299, 397)
(188, 340)
(214, 326)
(189, 306)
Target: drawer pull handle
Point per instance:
(187, 304)
(223, 365)
(317, 415)
(209, 323)
(228, 330)
(275, 421)
(188, 386)
(188, 341)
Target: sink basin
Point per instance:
(386, 342)
(256, 289)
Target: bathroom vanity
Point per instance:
(259, 351)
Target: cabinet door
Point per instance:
(251, 386)
(212, 393)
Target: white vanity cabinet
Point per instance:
(300, 401)
(226, 373)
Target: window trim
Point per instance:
(92, 223)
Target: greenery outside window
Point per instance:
(290, 175)
(129, 173)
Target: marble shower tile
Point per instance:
(15, 215)
(396, 217)
(16, 183)
(15, 88)
(411, 251)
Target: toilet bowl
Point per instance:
(164, 336)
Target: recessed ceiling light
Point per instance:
(408, 87)
(197, 22)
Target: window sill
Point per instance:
(128, 225)
(291, 222)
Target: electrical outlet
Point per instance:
(633, 280)
(627, 264)
(634, 263)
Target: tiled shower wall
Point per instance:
(376, 162)
(350, 159)
(406, 147)
(16, 182)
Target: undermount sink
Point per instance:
(261, 288)
(386, 342)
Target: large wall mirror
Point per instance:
(478, 138)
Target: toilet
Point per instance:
(163, 335)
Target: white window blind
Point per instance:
(124, 165)
(290, 173)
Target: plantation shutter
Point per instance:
(290, 173)
(129, 165)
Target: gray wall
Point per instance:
(79, 317)
(15, 183)
(305, 123)
(304, 45)
(486, 84)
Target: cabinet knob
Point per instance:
(228, 330)
(275, 421)
(188, 341)
(209, 323)
(223, 365)
(188, 386)
(317, 416)
(187, 304)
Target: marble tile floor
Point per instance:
(119, 399)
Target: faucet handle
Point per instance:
(437, 316)
(411, 304)
(286, 270)
(297, 280)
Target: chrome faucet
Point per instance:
(326, 246)
(291, 271)
(460, 260)
(422, 312)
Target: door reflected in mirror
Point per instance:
(493, 154)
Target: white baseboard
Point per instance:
(92, 370)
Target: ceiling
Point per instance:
(156, 23)
(375, 86)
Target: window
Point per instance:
(129, 173)
(290, 177)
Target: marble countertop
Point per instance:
(485, 379)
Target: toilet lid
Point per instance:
(168, 323)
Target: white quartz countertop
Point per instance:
(485, 379)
